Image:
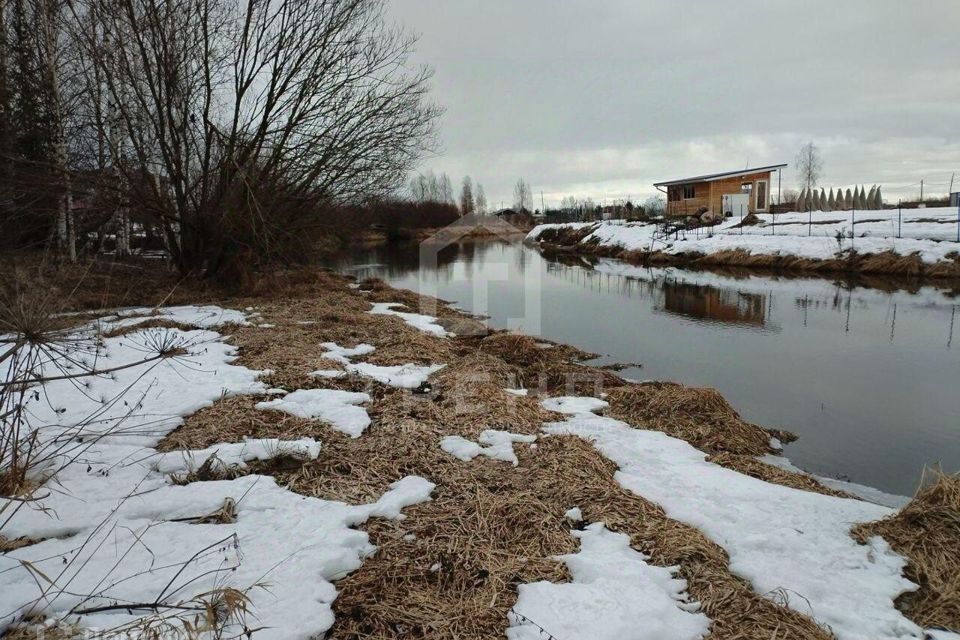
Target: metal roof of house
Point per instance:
(717, 176)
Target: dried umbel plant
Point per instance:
(39, 345)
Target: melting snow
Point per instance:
(615, 595)
(118, 530)
(237, 454)
(203, 317)
(573, 405)
(427, 324)
(574, 514)
(329, 405)
(342, 354)
(329, 373)
(404, 376)
(861, 491)
(498, 445)
(787, 234)
(783, 540)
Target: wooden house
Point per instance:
(729, 192)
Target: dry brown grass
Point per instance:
(153, 323)
(450, 568)
(42, 631)
(927, 533)
(548, 367)
(490, 527)
(702, 417)
(886, 263)
(11, 544)
(232, 419)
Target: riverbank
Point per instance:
(480, 557)
(920, 243)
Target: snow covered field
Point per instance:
(121, 546)
(929, 233)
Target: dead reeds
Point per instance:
(702, 417)
(927, 533)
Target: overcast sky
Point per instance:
(601, 98)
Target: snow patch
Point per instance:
(343, 354)
(329, 405)
(497, 445)
(427, 324)
(615, 595)
(573, 405)
(202, 317)
(329, 373)
(297, 546)
(237, 454)
(116, 528)
(405, 376)
(574, 514)
(861, 491)
(781, 540)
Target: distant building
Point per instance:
(729, 192)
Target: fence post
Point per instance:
(899, 217)
(741, 219)
(853, 221)
(958, 220)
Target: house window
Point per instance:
(688, 191)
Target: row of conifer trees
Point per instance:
(859, 198)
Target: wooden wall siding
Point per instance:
(678, 206)
(710, 194)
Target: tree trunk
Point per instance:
(66, 234)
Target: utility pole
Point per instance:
(921, 190)
(543, 209)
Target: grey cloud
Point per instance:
(608, 96)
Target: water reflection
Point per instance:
(710, 303)
(866, 375)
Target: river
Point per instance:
(868, 378)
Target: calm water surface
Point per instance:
(869, 379)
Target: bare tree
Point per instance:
(655, 206)
(444, 190)
(49, 19)
(809, 166)
(481, 201)
(467, 205)
(233, 120)
(419, 188)
(522, 196)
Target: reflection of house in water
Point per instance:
(710, 303)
